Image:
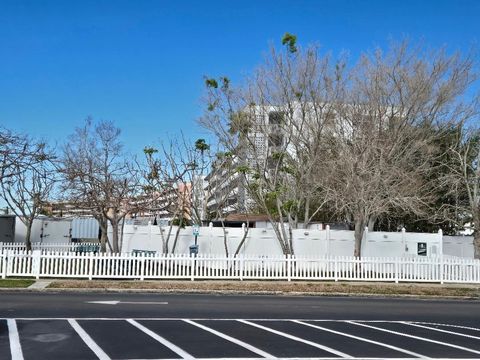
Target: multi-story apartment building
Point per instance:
(225, 188)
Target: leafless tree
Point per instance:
(174, 179)
(356, 140)
(18, 151)
(275, 124)
(98, 178)
(394, 110)
(28, 177)
(466, 174)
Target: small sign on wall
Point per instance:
(422, 249)
(196, 230)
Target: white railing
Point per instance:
(65, 247)
(43, 264)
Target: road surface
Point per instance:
(166, 326)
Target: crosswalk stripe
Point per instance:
(232, 339)
(161, 340)
(15, 347)
(360, 338)
(311, 343)
(88, 340)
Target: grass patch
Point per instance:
(15, 283)
(312, 288)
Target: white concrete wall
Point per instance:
(461, 246)
(307, 242)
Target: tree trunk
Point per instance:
(284, 237)
(278, 234)
(359, 231)
(166, 241)
(240, 244)
(476, 244)
(306, 215)
(103, 234)
(114, 224)
(371, 223)
(28, 242)
(177, 233)
(290, 239)
(225, 244)
(122, 229)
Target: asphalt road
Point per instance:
(166, 326)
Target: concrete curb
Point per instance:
(238, 292)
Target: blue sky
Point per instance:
(141, 63)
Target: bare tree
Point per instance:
(18, 151)
(28, 178)
(175, 185)
(357, 140)
(395, 108)
(466, 174)
(275, 125)
(99, 179)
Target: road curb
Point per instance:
(240, 292)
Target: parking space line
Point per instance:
(232, 339)
(446, 325)
(416, 337)
(97, 350)
(311, 343)
(441, 330)
(161, 340)
(361, 339)
(15, 347)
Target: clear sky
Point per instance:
(141, 63)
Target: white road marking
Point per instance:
(441, 330)
(447, 325)
(361, 339)
(232, 339)
(222, 319)
(116, 302)
(15, 347)
(88, 340)
(311, 343)
(17, 354)
(161, 340)
(416, 337)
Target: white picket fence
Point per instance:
(43, 264)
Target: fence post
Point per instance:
(36, 258)
(404, 245)
(4, 263)
(192, 267)
(142, 267)
(289, 267)
(441, 268)
(335, 269)
(440, 235)
(327, 235)
(397, 269)
(90, 266)
(440, 251)
(241, 266)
